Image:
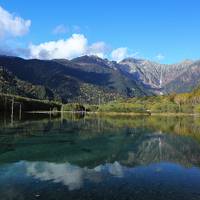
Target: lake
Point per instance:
(99, 157)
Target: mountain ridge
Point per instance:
(88, 78)
(162, 77)
(69, 81)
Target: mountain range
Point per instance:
(91, 79)
(162, 78)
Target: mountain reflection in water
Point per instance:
(99, 157)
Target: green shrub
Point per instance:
(161, 107)
(197, 108)
(122, 107)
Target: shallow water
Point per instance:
(98, 157)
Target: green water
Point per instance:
(98, 157)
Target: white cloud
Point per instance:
(99, 49)
(76, 45)
(119, 54)
(60, 29)
(11, 25)
(160, 57)
(72, 47)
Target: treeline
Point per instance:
(8, 101)
(173, 103)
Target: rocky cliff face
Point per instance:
(162, 78)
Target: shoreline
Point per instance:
(116, 113)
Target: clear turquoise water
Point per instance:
(100, 158)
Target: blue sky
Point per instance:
(167, 31)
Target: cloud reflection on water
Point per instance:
(70, 175)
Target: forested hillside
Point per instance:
(67, 81)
